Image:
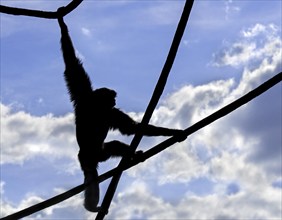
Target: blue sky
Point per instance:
(229, 48)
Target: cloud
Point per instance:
(72, 207)
(257, 43)
(141, 203)
(24, 136)
(258, 29)
(7, 208)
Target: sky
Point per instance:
(229, 170)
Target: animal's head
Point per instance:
(104, 97)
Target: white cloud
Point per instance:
(24, 136)
(259, 29)
(257, 43)
(148, 205)
(71, 207)
(141, 203)
(8, 208)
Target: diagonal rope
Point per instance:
(151, 107)
(154, 150)
(37, 13)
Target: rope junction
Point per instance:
(125, 162)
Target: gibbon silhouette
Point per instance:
(95, 115)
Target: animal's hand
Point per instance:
(61, 13)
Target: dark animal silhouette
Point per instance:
(95, 115)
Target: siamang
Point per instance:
(95, 115)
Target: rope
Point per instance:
(40, 14)
(151, 107)
(154, 150)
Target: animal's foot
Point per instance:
(138, 155)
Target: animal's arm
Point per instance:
(151, 130)
(122, 122)
(77, 80)
(128, 126)
(66, 43)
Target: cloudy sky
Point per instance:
(229, 170)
